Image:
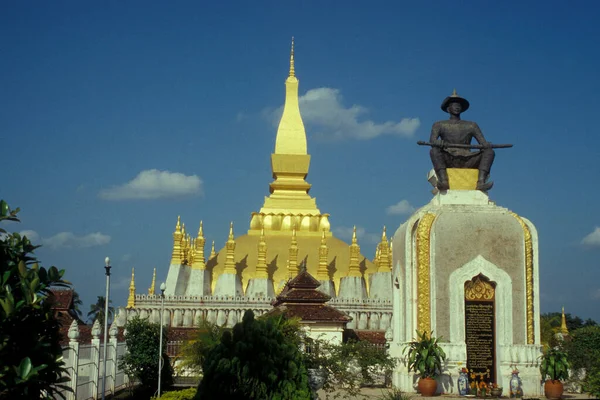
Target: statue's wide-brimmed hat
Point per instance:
(455, 98)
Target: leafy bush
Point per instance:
(584, 348)
(140, 362)
(31, 365)
(196, 350)
(257, 360)
(592, 381)
(349, 365)
(425, 355)
(185, 394)
(555, 365)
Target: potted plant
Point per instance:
(555, 368)
(495, 391)
(425, 357)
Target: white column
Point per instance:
(112, 355)
(74, 357)
(95, 355)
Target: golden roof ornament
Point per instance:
(293, 256)
(131, 298)
(199, 262)
(384, 261)
(563, 323)
(261, 264)
(230, 256)
(183, 244)
(322, 270)
(152, 288)
(354, 264)
(176, 254)
(212, 251)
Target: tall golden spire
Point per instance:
(293, 257)
(176, 255)
(131, 298)
(199, 262)
(230, 256)
(354, 266)
(152, 288)
(322, 271)
(212, 251)
(191, 250)
(384, 261)
(563, 323)
(261, 264)
(292, 69)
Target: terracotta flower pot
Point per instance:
(553, 389)
(427, 387)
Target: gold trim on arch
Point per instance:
(423, 272)
(528, 277)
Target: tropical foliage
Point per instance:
(98, 309)
(140, 362)
(554, 365)
(425, 356)
(256, 360)
(185, 394)
(31, 365)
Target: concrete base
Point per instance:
(199, 283)
(353, 287)
(229, 285)
(327, 287)
(260, 288)
(381, 286)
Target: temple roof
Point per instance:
(300, 298)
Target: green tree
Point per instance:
(195, 351)
(140, 362)
(31, 365)
(76, 303)
(97, 310)
(256, 360)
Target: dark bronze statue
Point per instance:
(451, 146)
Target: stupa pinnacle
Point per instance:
(289, 203)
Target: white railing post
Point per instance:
(74, 358)
(95, 357)
(112, 351)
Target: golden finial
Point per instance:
(152, 288)
(384, 260)
(454, 94)
(391, 254)
(354, 264)
(261, 264)
(322, 270)
(563, 323)
(292, 70)
(131, 298)
(176, 258)
(212, 251)
(198, 261)
(183, 244)
(230, 256)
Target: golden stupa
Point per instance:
(289, 213)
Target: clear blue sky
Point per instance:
(94, 93)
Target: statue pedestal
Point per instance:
(467, 270)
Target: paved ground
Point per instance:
(375, 393)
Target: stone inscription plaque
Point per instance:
(480, 338)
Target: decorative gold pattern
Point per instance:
(423, 267)
(131, 298)
(479, 289)
(322, 273)
(462, 178)
(293, 257)
(528, 277)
